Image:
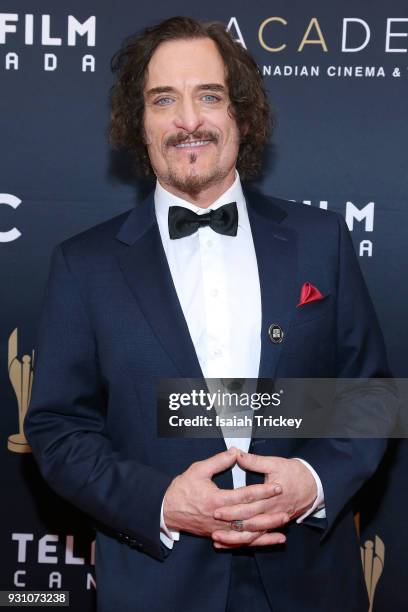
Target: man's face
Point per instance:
(192, 139)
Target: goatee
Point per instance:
(192, 185)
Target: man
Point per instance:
(171, 290)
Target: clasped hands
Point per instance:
(193, 503)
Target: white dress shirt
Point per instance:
(217, 284)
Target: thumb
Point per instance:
(217, 463)
(254, 463)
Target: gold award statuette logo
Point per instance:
(372, 557)
(21, 377)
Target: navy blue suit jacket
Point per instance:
(112, 325)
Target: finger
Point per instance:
(269, 539)
(263, 539)
(240, 511)
(218, 545)
(247, 495)
(264, 522)
(271, 505)
(216, 463)
(255, 463)
(235, 538)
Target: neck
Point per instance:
(206, 196)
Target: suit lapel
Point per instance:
(145, 268)
(276, 253)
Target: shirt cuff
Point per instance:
(317, 510)
(167, 536)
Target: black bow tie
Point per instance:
(184, 222)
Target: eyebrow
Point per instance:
(202, 87)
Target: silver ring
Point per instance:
(237, 525)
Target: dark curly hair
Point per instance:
(249, 104)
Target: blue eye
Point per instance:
(163, 101)
(210, 98)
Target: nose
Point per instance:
(188, 116)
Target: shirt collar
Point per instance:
(163, 199)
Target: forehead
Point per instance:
(180, 62)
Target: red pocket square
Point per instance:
(309, 293)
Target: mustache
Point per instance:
(182, 137)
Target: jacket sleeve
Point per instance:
(344, 464)
(66, 428)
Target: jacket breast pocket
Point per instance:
(310, 346)
(313, 310)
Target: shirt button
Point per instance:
(217, 352)
(214, 292)
(209, 243)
